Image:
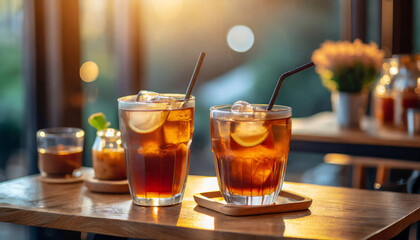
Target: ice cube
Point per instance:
(173, 105)
(241, 107)
(259, 109)
(162, 98)
(147, 95)
(177, 132)
(259, 112)
(155, 101)
(150, 148)
(170, 102)
(184, 115)
(262, 169)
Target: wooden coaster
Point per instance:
(60, 180)
(286, 202)
(106, 186)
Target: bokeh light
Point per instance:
(385, 80)
(240, 38)
(393, 70)
(380, 90)
(89, 71)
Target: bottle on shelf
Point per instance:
(383, 99)
(406, 89)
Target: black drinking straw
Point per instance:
(281, 79)
(195, 74)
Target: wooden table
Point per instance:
(321, 133)
(336, 213)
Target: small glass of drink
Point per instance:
(108, 158)
(156, 132)
(60, 152)
(250, 148)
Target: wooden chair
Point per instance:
(382, 165)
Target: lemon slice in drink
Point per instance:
(249, 134)
(147, 122)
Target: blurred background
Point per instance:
(61, 61)
(248, 46)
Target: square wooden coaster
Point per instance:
(286, 202)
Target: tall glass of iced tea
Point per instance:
(156, 132)
(250, 148)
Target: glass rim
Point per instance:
(60, 132)
(276, 108)
(131, 99)
(224, 112)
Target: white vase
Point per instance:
(349, 108)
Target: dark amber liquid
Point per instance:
(384, 110)
(157, 161)
(59, 161)
(250, 171)
(405, 100)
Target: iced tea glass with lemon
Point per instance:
(157, 132)
(250, 148)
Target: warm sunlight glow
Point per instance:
(201, 221)
(89, 71)
(155, 210)
(167, 9)
(93, 18)
(240, 38)
(86, 205)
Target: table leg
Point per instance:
(381, 174)
(359, 176)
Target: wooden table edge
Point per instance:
(159, 231)
(397, 227)
(10, 214)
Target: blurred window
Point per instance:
(248, 45)
(11, 90)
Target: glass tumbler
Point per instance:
(156, 136)
(60, 152)
(250, 151)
